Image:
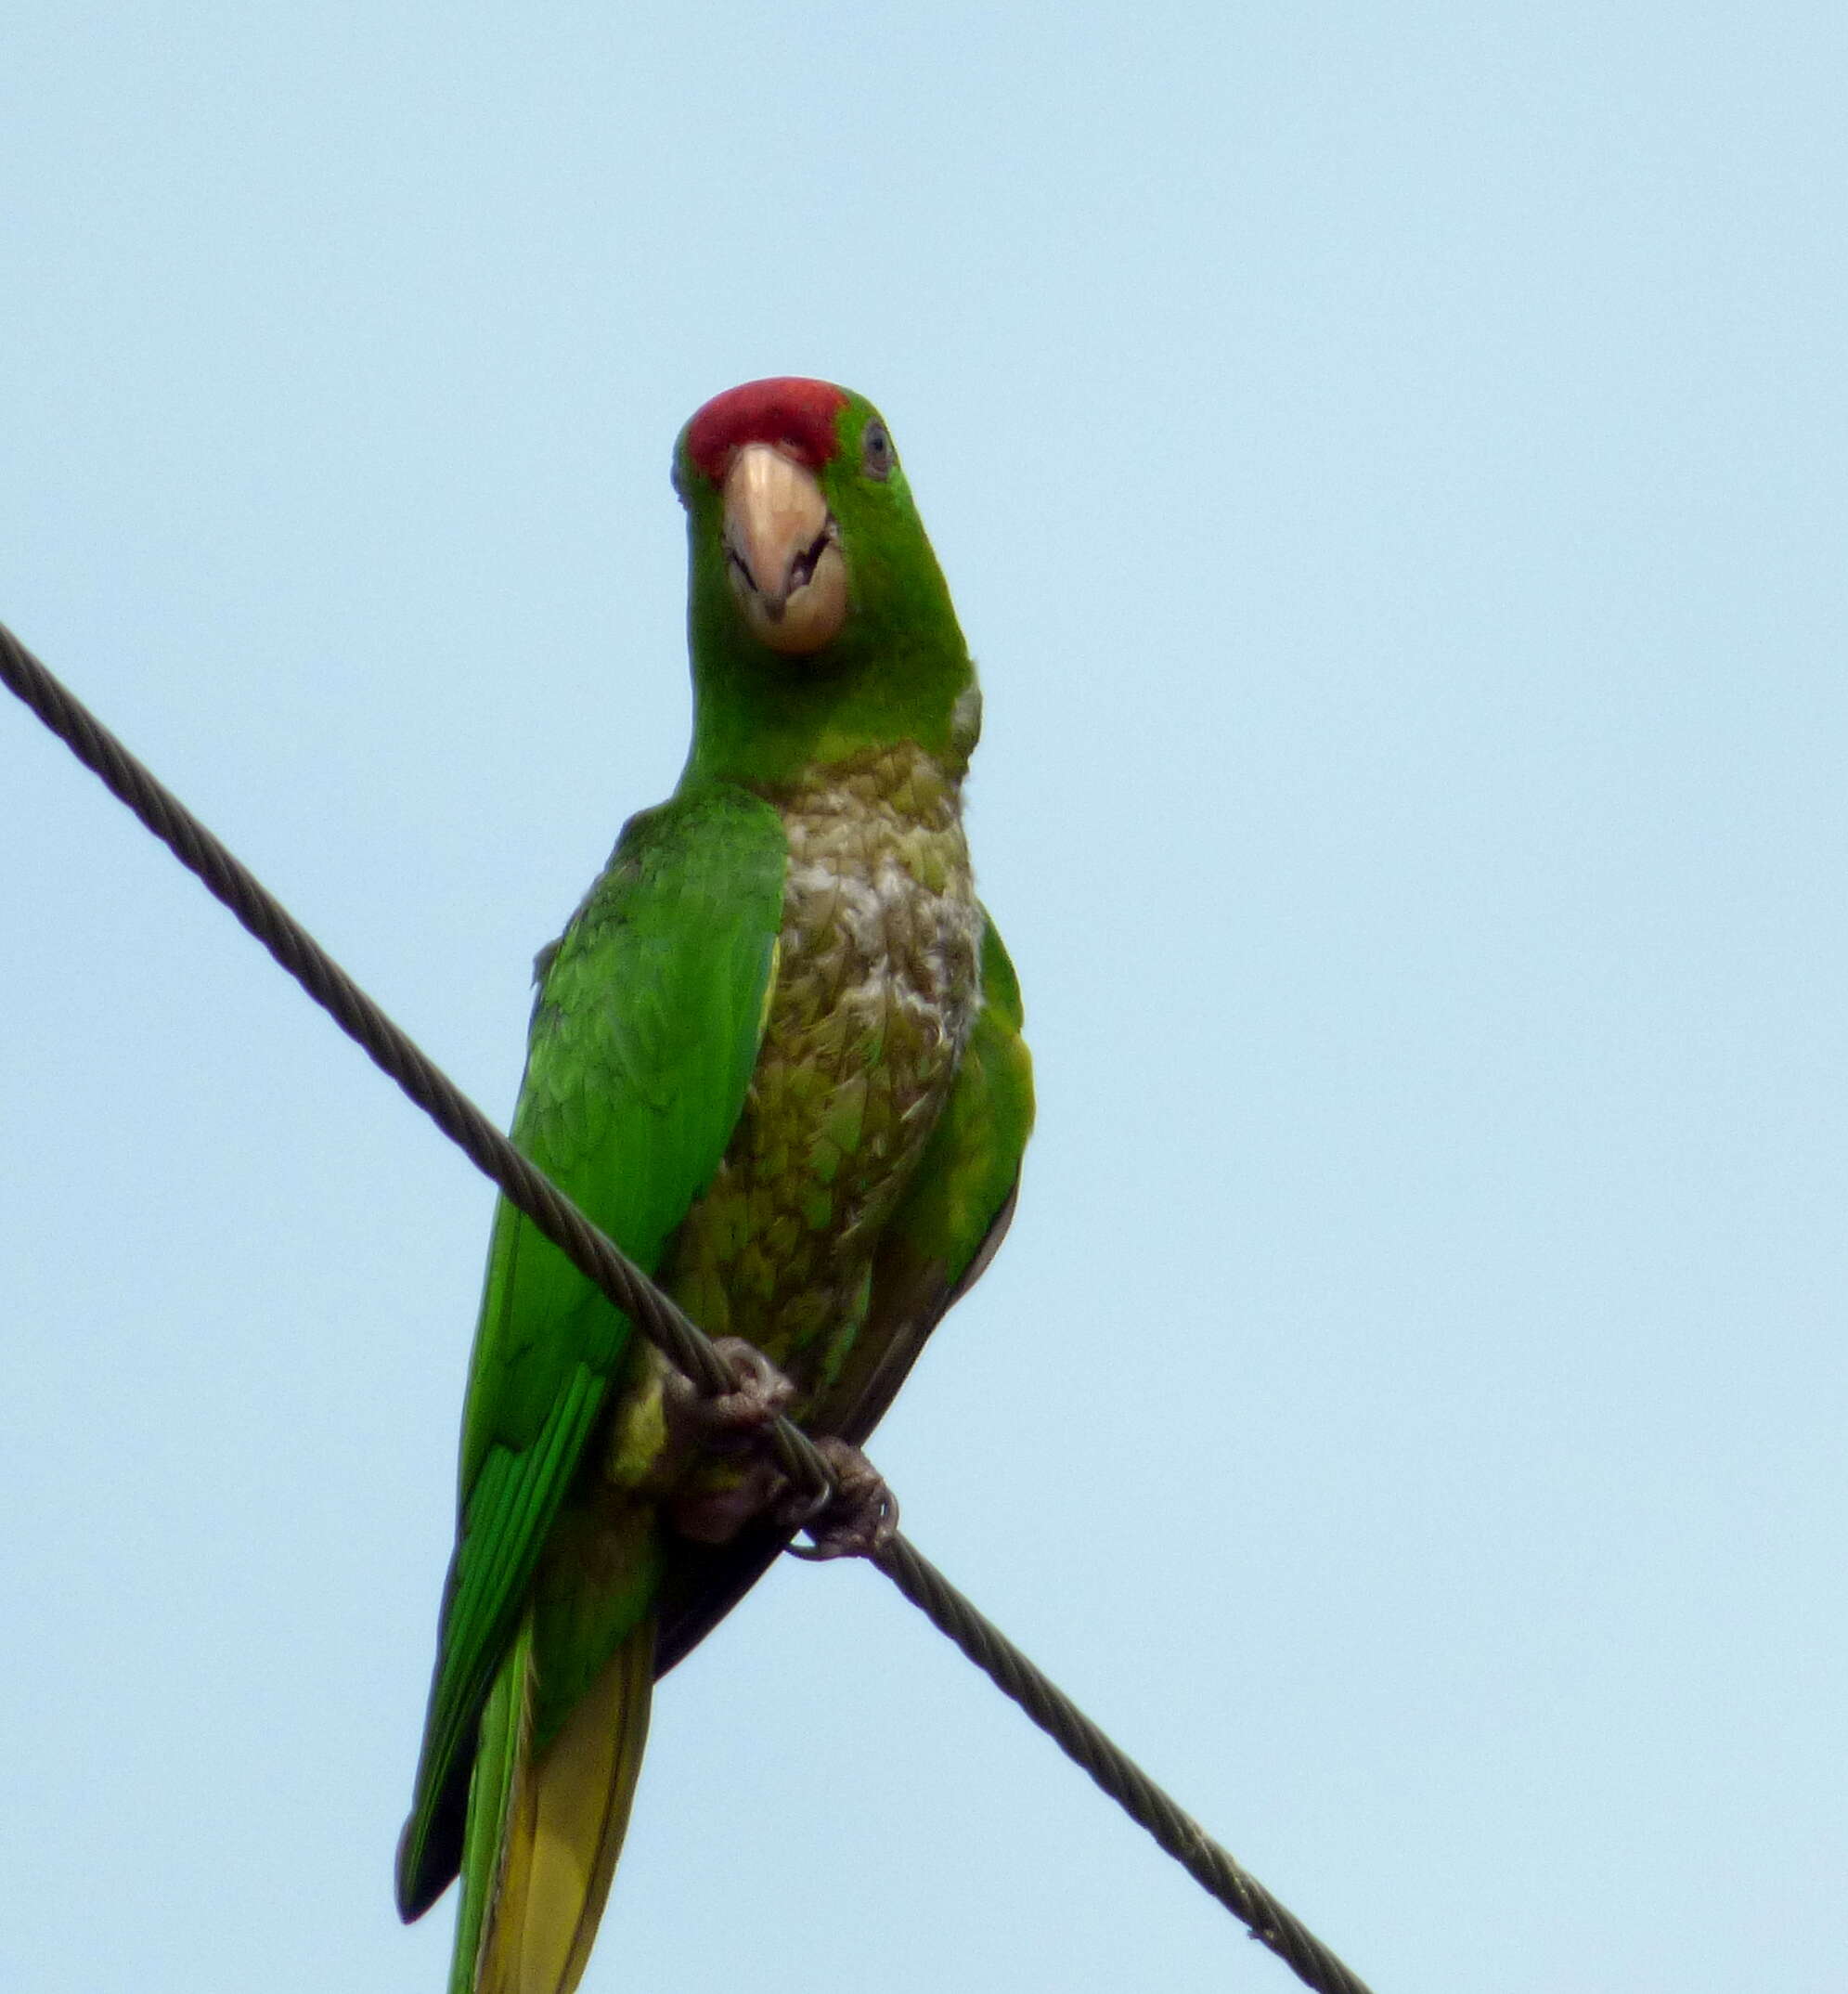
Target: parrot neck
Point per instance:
(770, 733)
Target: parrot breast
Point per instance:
(877, 988)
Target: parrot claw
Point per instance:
(735, 1421)
(858, 1520)
(716, 1502)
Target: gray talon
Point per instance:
(737, 1419)
(857, 1520)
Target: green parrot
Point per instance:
(776, 1057)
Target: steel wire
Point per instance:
(396, 1055)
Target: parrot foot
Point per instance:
(857, 1520)
(736, 1420)
(721, 1497)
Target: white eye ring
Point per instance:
(875, 451)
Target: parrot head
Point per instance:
(763, 449)
(818, 617)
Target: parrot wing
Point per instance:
(648, 1017)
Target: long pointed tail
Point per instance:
(545, 1831)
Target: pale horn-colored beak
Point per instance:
(782, 553)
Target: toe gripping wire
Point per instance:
(679, 1340)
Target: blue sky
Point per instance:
(1389, 466)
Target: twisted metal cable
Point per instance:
(392, 1050)
(1081, 1739)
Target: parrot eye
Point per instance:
(877, 456)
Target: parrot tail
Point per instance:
(545, 1829)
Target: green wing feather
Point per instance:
(931, 1253)
(649, 1018)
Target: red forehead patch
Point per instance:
(798, 415)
